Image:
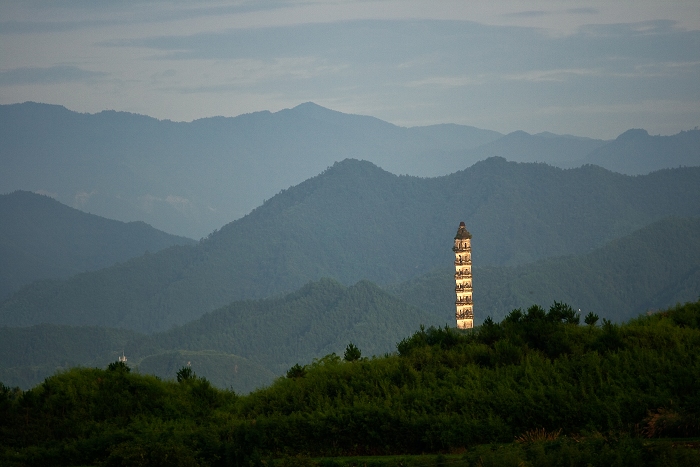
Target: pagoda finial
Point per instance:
(462, 232)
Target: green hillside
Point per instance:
(652, 268)
(320, 318)
(243, 345)
(41, 238)
(356, 221)
(223, 370)
(537, 388)
(28, 355)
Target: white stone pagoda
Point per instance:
(463, 278)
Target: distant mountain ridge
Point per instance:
(192, 178)
(41, 238)
(563, 151)
(648, 152)
(355, 221)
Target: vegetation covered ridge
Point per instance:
(554, 390)
(356, 221)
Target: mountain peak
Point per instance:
(312, 109)
(519, 134)
(309, 105)
(632, 134)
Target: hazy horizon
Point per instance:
(589, 69)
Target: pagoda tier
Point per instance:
(462, 249)
(465, 315)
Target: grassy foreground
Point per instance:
(538, 388)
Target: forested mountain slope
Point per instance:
(243, 345)
(191, 178)
(28, 355)
(41, 238)
(649, 269)
(320, 318)
(31, 354)
(356, 221)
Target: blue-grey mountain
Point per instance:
(191, 178)
(636, 152)
(41, 238)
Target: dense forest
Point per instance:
(355, 222)
(539, 387)
(41, 238)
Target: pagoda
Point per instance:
(463, 278)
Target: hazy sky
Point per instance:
(593, 68)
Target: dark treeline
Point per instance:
(552, 386)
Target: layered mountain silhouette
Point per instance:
(356, 221)
(41, 238)
(563, 151)
(191, 178)
(636, 152)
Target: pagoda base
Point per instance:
(465, 323)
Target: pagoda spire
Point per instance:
(463, 278)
